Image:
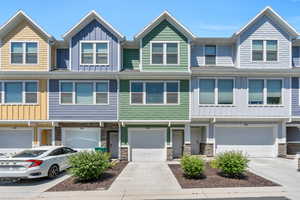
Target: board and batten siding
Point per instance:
(153, 112)
(59, 111)
(265, 29)
(131, 59)
(240, 106)
(94, 31)
(62, 58)
(24, 31)
(27, 112)
(164, 32)
(224, 55)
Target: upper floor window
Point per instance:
(19, 92)
(85, 93)
(262, 91)
(24, 53)
(264, 50)
(165, 53)
(154, 92)
(210, 54)
(94, 53)
(216, 91)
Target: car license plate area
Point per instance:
(11, 168)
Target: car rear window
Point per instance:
(29, 154)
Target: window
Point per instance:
(172, 92)
(154, 92)
(271, 50)
(270, 95)
(256, 92)
(210, 94)
(101, 93)
(164, 53)
(207, 91)
(225, 91)
(24, 53)
(210, 54)
(257, 50)
(94, 53)
(86, 93)
(19, 92)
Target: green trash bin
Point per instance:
(101, 149)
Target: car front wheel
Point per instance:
(53, 171)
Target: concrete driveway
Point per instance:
(27, 188)
(282, 171)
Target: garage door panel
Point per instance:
(81, 138)
(253, 141)
(147, 145)
(15, 139)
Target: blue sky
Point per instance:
(212, 18)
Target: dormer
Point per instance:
(25, 46)
(163, 45)
(93, 45)
(265, 42)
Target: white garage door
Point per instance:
(147, 144)
(81, 138)
(254, 141)
(13, 140)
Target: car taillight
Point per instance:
(34, 163)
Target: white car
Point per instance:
(36, 163)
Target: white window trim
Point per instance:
(265, 93)
(264, 52)
(165, 92)
(74, 91)
(216, 92)
(24, 52)
(94, 42)
(204, 56)
(23, 92)
(165, 52)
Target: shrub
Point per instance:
(192, 166)
(88, 165)
(231, 163)
(213, 164)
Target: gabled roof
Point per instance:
(17, 18)
(165, 16)
(275, 16)
(86, 20)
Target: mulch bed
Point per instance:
(103, 183)
(212, 178)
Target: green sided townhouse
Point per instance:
(154, 92)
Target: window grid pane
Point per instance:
(257, 50)
(172, 53)
(207, 91)
(87, 53)
(154, 93)
(225, 91)
(13, 92)
(274, 88)
(271, 50)
(101, 53)
(256, 92)
(17, 52)
(31, 53)
(84, 93)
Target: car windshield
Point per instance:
(29, 154)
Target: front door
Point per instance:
(177, 141)
(46, 137)
(114, 144)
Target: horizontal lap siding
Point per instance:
(82, 112)
(265, 29)
(27, 112)
(154, 112)
(295, 97)
(95, 31)
(25, 32)
(165, 32)
(241, 107)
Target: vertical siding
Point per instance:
(295, 97)
(62, 58)
(224, 55)
(296, 56)
(240, 106)
(154, 112)
(165, 32)
(58, 111)
(265, 28)
(27, 112)
(95, 31)
(25, 32)
(131, 59)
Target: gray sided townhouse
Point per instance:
(163, 94)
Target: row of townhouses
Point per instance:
(165, 93)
